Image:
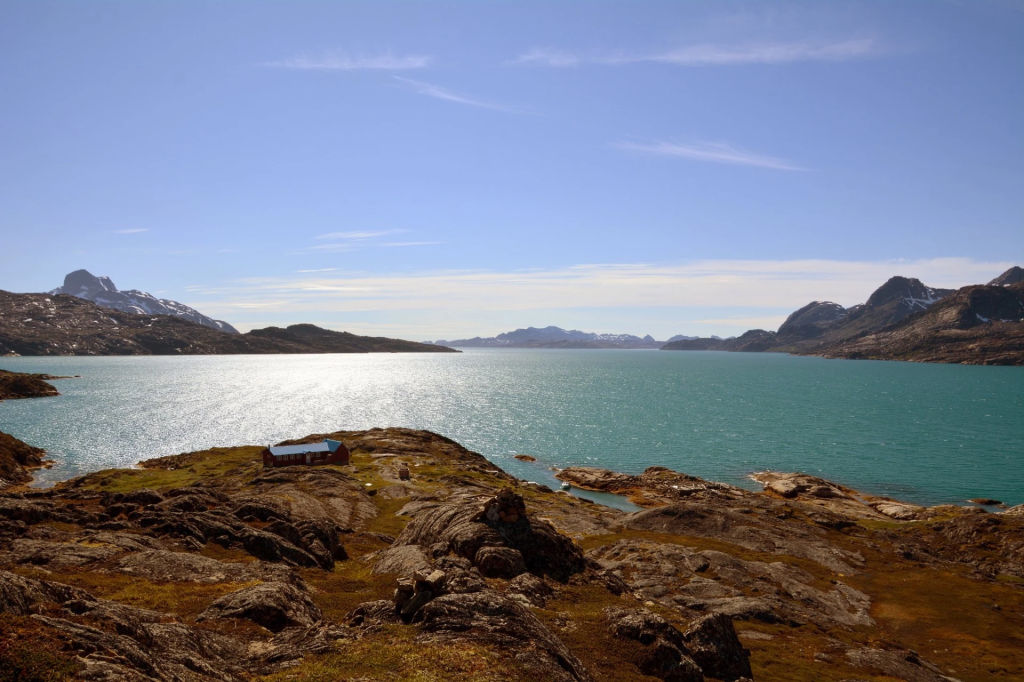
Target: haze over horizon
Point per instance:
(444, 170)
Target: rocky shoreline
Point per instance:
(424, 560)
(18, 385)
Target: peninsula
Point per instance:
(60, 324)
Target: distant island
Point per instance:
(902, 320)
(556, 337)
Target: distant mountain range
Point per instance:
(101, 290)
(902, 320)
(60, 324)
(556, 337)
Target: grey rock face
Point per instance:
(101, 290)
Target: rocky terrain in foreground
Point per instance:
(208, 566)
(45, 324)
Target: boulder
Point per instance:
(275, 606)
(713, 644)
(401, 560)
(665, 654)
(499, 562)
(900, 664)
(534, 589)
(463, 528)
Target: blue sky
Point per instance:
(443, 169)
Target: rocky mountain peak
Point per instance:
(101, 290)
(83, 284)
(911, 290)
(815, 312)
(1011, 276)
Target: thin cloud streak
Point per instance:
(134, 230)
(337, 60)
(761, 288)
(357, 235)
(707, 55)
(712, 152)
(438, 92)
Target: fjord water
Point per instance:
(922, 433)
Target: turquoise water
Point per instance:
(922, 433)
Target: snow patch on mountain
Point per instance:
(101, 291)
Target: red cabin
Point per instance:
(325, 452)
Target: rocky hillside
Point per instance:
(978, 325)
(101, 290)
(826, 328)
(43, 324)
(422, 560)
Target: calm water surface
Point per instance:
(922, 433)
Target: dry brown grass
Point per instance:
(393, 654)
(184, 600)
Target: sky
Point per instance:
(432, 170)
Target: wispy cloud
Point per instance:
(133, 230)
(766, 284)
(319, 270)
(346, 242)
(706, 55)
(357, 235)
(441, 93)
(712, 152)
(338, 60)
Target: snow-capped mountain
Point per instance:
(101, 290)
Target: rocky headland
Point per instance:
(60, 324)
(18, 459)
(17, 385)
(423, 560)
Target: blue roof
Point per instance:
(324, 446)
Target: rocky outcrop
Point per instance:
(656, 486)
(497, 537)
(664, 654)
(17, 459)
(275, 606)
(713, 644)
